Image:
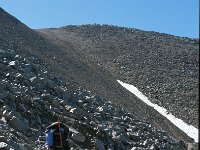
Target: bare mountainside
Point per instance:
(41, 80)
(164, 67)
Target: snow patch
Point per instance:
(190, 130)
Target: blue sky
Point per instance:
(176, 17)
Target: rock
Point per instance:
(192, 146)
(135, 137)
(41, 138)
(3, 94)
(56, 103)
(3, 139)
(119, 129)
(110, 147)
(78, 137)
(119, 145)
(34, 80)
(4, 146)
(49, 84)
(136, 148)
(166, 146)
(46, 105)
(26, 82)
(28, 147)
(9, 115)
(182, 144)
(48, 97)
(18, 124)
(99, 145)
(79, 112)
(66, 95)
(68, 107)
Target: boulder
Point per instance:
(56, 103)
(78, 137)
(99, 145)
(79, 112)
(9, 115)
(18, 124)
(3, 139)
(4, 146)
(135, 137)
(182, 144)
(48, 97)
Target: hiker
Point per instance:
(56, 136)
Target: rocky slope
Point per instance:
(32, 98)
(164, 67)
(41, 81)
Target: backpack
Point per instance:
(56, 138)
(49, 138)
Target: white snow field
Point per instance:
(190, 130)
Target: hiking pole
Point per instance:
(60, 134)
(61, 144)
